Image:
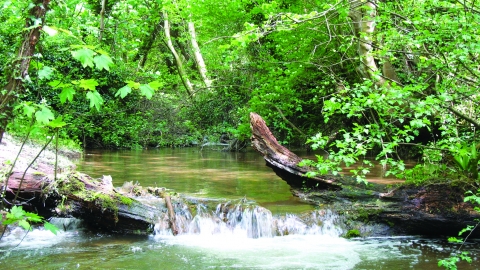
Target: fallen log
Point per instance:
(283, 161)
(435, 209)
(171, 214)
(94, 201)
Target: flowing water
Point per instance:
(256, 224)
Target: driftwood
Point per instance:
(282, 160)
(171, 215)
(436, 209)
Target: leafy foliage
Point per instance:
(24, 219)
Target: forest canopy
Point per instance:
(388, 80)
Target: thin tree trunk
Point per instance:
(202, 68)
(102, 23)
(363, 16)
(11, 92)
(181, 70)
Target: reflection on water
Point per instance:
(209, 174)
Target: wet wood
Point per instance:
(435, 209)
(171, 215)
(282, 160)
(95, 201)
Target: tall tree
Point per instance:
(34, 21)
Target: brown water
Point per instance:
(210, 174)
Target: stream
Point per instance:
(273, 230)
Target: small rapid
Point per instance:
(248, 220)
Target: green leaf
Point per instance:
(84, 56)
(124, 91)
(50, 227)
(155, 85)
(95, 98)
(89, 84)
(45, 115)
(27, 109)
(146, 91)
(57, 84)
(57, 123)
(45, 73)
(16, 212)
(67, 93)
(132, 84)
(32, 217)
(103, 62)
(24, 224)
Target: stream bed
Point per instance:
(208, 243)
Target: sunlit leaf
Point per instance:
(24, 224)
(146, 91)
(57, 123)
(45, 73)
(44, 116)
(132, 84)
(89, 84)
(155, 85)
(96, 99)
(67, 94)
(50, 227)
(49, 30)
(124, 91)
(84, 56)
(103, 62)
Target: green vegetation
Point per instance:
(352, 234)
(459, 255)
(73, 185)
(362, 81)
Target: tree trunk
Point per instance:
(102, 21)
(94, 201)
(10, 92)
(202, 68)
(282, 160)
(178, 61)
(363, 17)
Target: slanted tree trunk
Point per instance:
(11, 91)
(282, 160)
(436, 209)
(202, 68)
(181, 70)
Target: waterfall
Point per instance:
(248, 220)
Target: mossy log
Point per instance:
(94, 201)
(435, 209)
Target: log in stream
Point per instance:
(434, 209)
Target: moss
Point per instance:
(124, 200)
(352, 233)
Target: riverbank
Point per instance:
(27, 158)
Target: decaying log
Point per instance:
(435, 209)
(171, 215)
(94, 201)
(282, 160)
